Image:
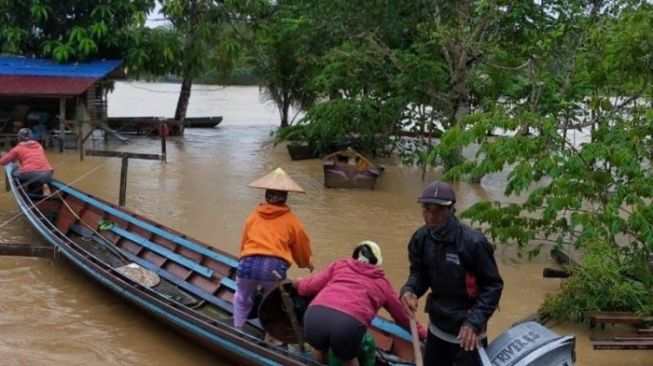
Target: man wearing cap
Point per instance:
(457, 263)
(33, 167)
(273, 238)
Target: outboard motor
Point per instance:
(530, 344)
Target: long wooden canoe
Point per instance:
(149, 125)
(194, 283)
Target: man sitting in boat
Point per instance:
(34, 170)
(273, 238)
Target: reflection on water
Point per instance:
(51, 314)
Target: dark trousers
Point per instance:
(442, 353)
(33, 181)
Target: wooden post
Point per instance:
(62, 126)
(163, 131)
(125, 156)
(123, 180)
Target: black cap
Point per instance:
(439, 193)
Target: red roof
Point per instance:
(43, 86)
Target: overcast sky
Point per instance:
(155, 19)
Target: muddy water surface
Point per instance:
(51, 314)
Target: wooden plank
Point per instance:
(26, 250)
(175, 257)
(645, 330)
(618, 317)
(224, 305)
(610, 345)
(231, 262)
(123, 154)
(622, 337)
(62, 124)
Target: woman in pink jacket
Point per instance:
(33, 168)
(348, 294)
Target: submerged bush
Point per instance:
(602, 281)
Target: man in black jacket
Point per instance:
(457, 263)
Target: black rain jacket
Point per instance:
(457, 263)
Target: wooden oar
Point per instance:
(485, 360)
(417, 347)
(27, 250)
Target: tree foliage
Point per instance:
(71, 29)
(555, 95)
(579, 156)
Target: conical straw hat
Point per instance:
(277, 180)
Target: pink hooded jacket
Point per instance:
(357, 289)
(30, 156)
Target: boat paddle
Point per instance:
(417, 347)
(482, 354)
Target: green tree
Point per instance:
(282, 53)
(72, 29)
(208, 33)
(581, 153)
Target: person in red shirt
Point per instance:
(33, 168)
(272, 240)
(348, 294)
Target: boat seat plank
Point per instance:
(195, 290)
(228, 283)
(204, 271)
(392, 328)
(147, 226)
(225, 281)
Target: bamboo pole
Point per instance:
(417, 347)
(26, 250)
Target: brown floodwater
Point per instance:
(52, 314)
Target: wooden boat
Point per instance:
(185, 283)
(349, 169)
(149, 125)
(301, 151)
(203, 122)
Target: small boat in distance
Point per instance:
(299, 151)
(349, 169)
(149, 125)
(203, 122)
(177, 279)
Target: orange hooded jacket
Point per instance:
(275, 231)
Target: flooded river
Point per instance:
(52, 314)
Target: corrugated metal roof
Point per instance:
(11, 65)
(43, 86)
(23, 76)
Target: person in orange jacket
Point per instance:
(33, 168)
(272, 240)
